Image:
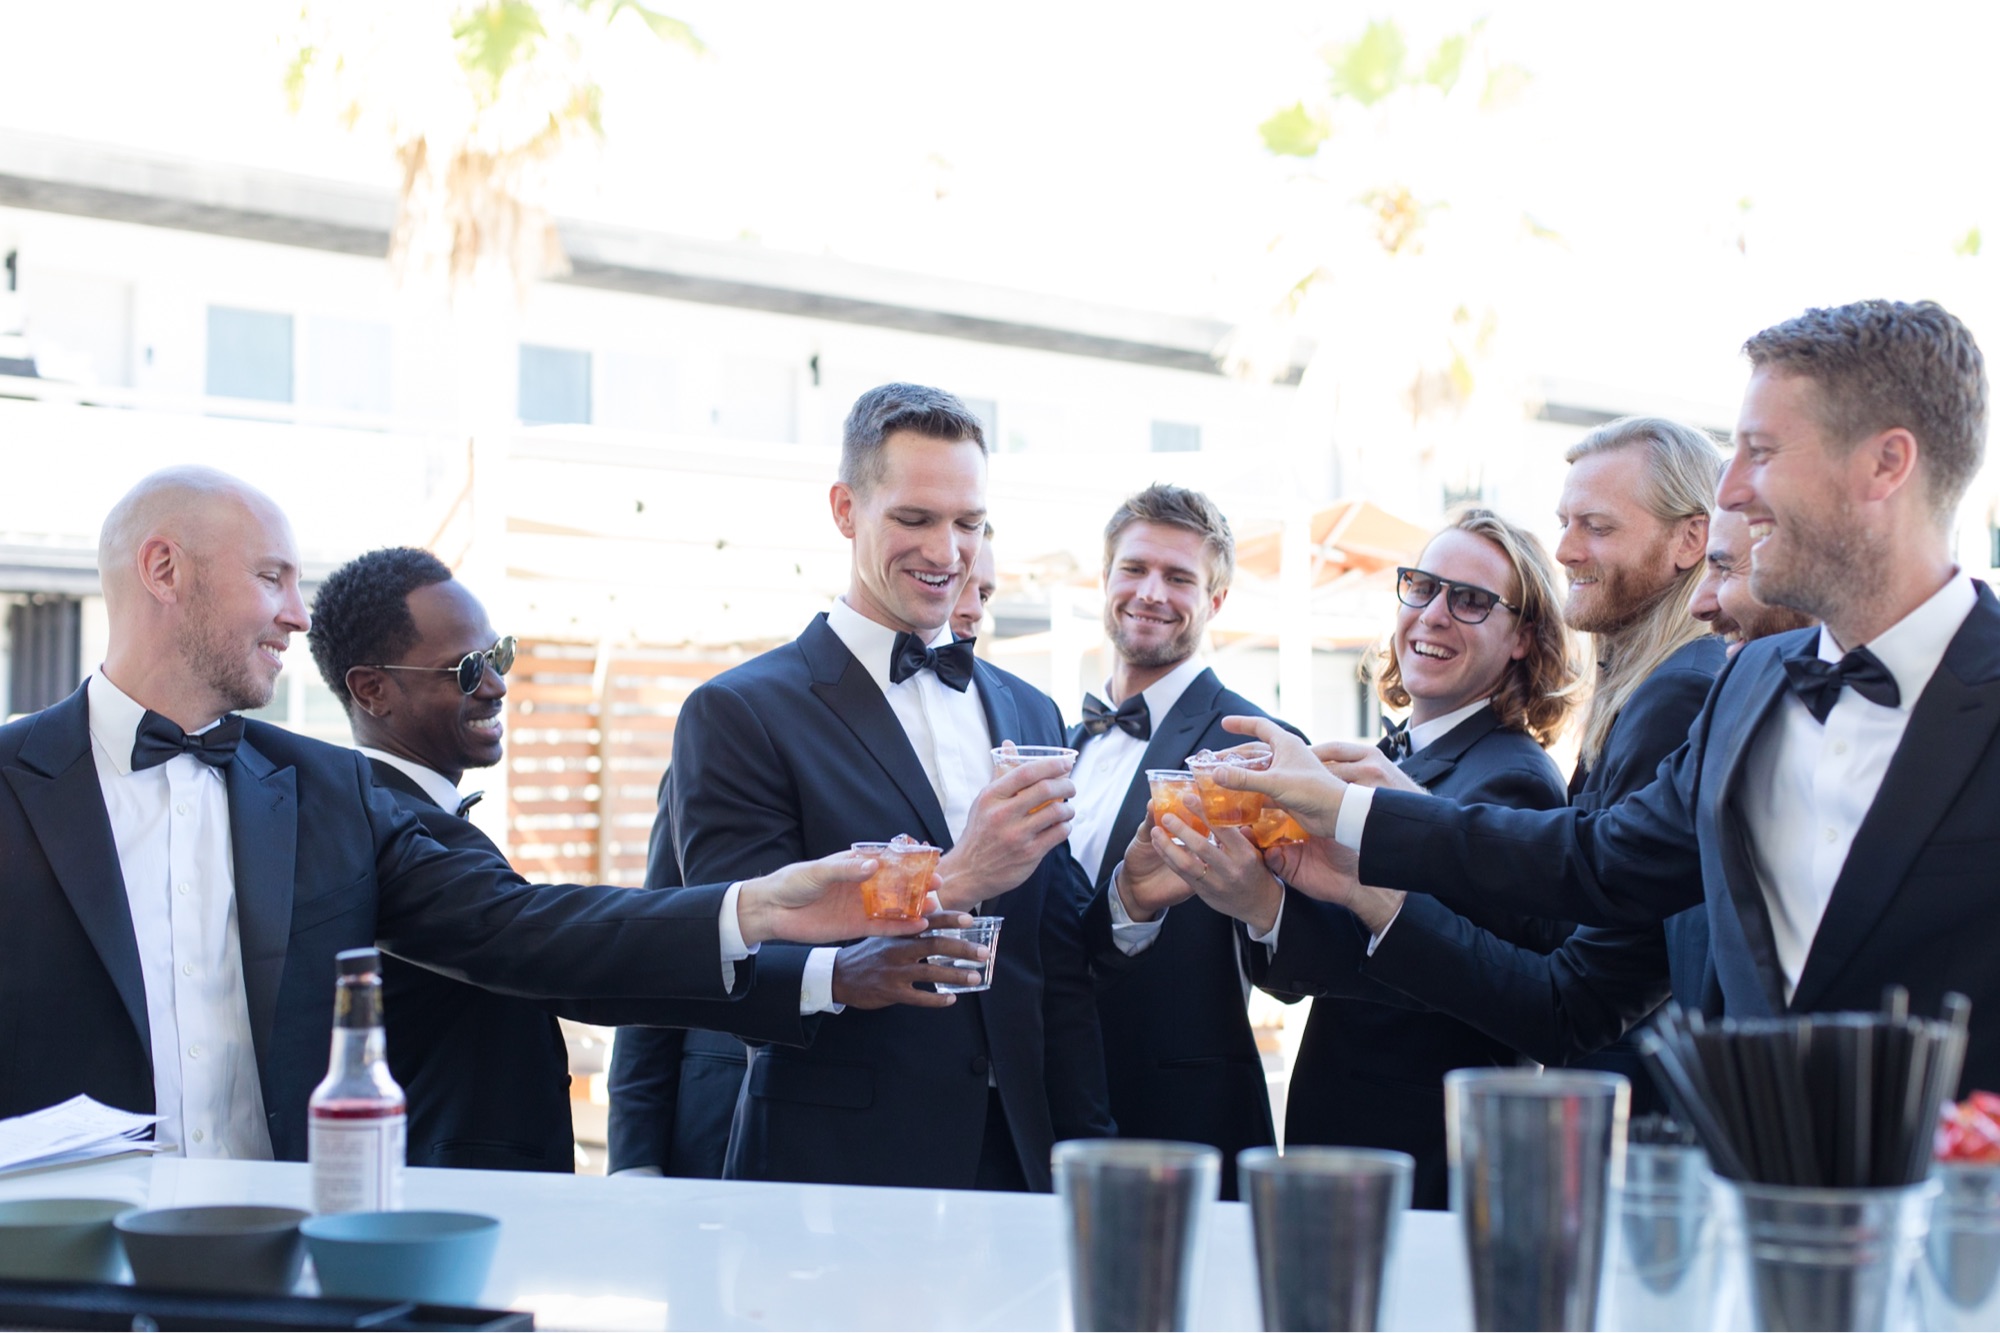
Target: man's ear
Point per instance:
(1890, 460)
(370, 688)
(842, 499)
(1691, 542)
(163, 569)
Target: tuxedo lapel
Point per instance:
(1003, 713)
(1948, 734)
(1432, 764)
(264, 832)
(395, 779)
(1184, 724)
(844, 685)
(56, 784)
(1729, 743)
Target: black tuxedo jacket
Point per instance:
(1178, 1050)
(796, 754)
(324, 861)
(1913, 905)
(1371, 1073)
(673, 1091)
(487, 1075)
(1561, 1007)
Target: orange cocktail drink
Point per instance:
(1227, 807)
(895, 892)
(1175, 793)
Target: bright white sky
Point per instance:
(1108, 150)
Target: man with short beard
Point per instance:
(1834, 801)
(1179, 1053)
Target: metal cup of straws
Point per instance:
(1829, 1258)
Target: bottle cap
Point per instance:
(358, 962)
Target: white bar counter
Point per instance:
(586, 1252)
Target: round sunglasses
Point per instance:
(471, 668)
(1468, 604)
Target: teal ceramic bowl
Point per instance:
(442, 1258)
(241, 1248)
(61, 1240)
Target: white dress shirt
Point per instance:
(446, 797)
(1107, 762)
(946, 728)
(170, 824)
(1806, 786)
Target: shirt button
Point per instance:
(1840, 747)
(181, 809)
(187, 969)
(194, 1052)
(181, 888)
(1832, 835)
(197, 1136)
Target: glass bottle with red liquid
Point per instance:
(357, 1117)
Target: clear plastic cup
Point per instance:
(1011, 755)
(1174, 793)
(895, 892)
(985, 932)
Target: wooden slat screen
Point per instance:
(590, 729)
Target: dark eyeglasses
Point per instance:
(1468, 605)
(471, 668)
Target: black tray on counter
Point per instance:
(107, 1305)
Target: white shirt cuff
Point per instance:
(816, 986)
(1131, 937)
(647, 1172)
(1354, 807)
(1269, 939)
(1387, 926)
(734, 950)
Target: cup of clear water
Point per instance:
(985, 932)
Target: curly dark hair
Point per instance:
(361, 616)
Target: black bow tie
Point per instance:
(159, 739)
(952, 663)
(1131, 717)
(1818, 682)
(474, 799)
(1395, 742)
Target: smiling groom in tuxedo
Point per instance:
(875, 722)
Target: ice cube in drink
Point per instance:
(895, 892)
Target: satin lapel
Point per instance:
(1948, 735)
(1003, 714)
(1185, 723)
(1730, 742)
(59, 795)
(1435, 761)
(264, 829)
(844, 685)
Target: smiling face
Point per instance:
(423, 715)
(1809, 550)
(1724, 599)
(1446, 664)
(1619, 557)
(243, 605)
(970, 613)
(1156, 596)
(915, 532)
